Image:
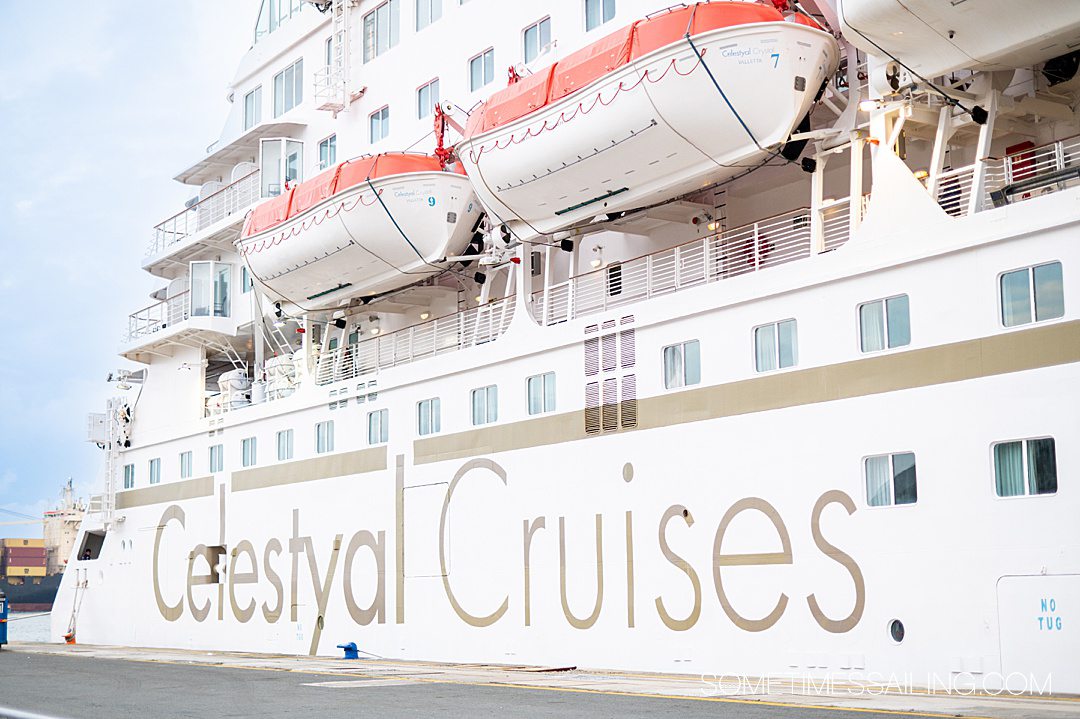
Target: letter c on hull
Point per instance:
(465, 616)
(172, 613)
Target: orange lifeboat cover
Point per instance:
(521, 98)
(313, 191)
(272, 212)
(578, 69)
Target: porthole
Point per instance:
(896, 630)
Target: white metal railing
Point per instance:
(953, 187)
(330, 87)
(158, 316)
(211, 209)
(458, 331)
(766, 243)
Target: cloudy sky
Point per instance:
(101, 103)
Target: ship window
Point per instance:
(324, 437)
(185, 465)
(253, 108)
(598, 12)
(380, 124)
(246, 282)
(541, 393)
(129, 476)
(428, 416)
(682, 364)
(776, 346)
(427, 12)
(481, 69)
(1040, 287)
(381, 29)
(884, 324)
(328, 152)
(92, 543)
(210, 289)
(1025, 467)
(890, 479)
(485, 405)
(284, 445)
(155, 470)
(427, 97)
(289, 88)
(536, 39)
(272, 13)
(247, 452)
(217, 458)
(378, 426)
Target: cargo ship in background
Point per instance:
(31, 569)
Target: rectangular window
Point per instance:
(185, 465)
(682, 364)
(381, 29)
(485, 405)
(776, 345)
(428, 417)
(210, 296)
(253, 108)
(328, 152)
(598, 12)
(155, 470)
(427, 12)
(380, 124)
(1026, 466)
(217, 458)
(481, 69)
(536, 39)
(427, 97)
(129, 476)
(246, 282)
(884, 324)
(890, 479)
(541, 393)
(284, 445)
(324, 437)
(1040, 287)
(378, 426)
(247, 452)
(289, 88)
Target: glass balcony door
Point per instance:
(282, 162)
(210, 294)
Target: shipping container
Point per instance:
(22, 542)
(25, 562)
(24, 572)
(24, 552)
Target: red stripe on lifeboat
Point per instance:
(302, 197)
(593, 61)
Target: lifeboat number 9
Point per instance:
(431, 201)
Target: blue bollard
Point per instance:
(4, 618)
(350, 650)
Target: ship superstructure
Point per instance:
(729, 338)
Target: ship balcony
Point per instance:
(210, 225)
(188, 315)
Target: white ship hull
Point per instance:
(528, 542)
(652, 130)
(365, 244)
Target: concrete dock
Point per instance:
(74, 682)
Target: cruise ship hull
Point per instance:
(722, 529)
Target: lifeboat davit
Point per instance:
(638, 117)
(362, 227)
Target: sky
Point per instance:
(101, 104)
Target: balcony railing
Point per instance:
(441, 335)
(767, 243)
(158, 316)
(1020, 176)
(227, 201)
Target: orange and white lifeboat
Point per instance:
(638, 117)
(362, 227)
